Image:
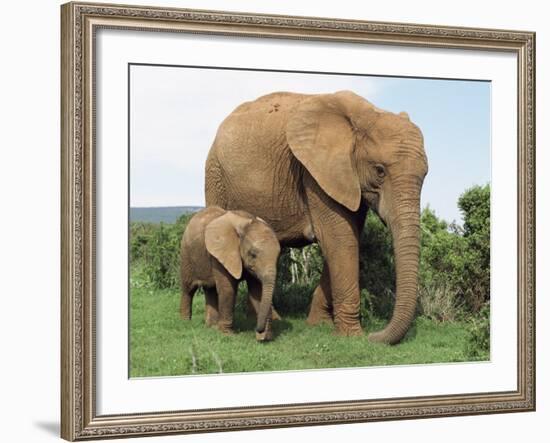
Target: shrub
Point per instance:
(293, 299)
(437, 301)
(442, 249)
(157, 248)
(162, 265)
(475, 279)
(298, 273)
(140, 235)
(367, 313)
(376, 267)
(455, 262)
(479, 335)
(301, 266)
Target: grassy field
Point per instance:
(162, 344)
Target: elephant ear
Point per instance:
(222, 238)
(321, 136)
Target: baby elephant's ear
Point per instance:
(222, 238)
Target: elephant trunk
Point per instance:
(264, 312)
(405, 230)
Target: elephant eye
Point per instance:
(252, 254)
(380, 171)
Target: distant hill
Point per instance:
(166, 214)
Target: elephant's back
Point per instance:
(251, 140)
(268, 104)
(257, 126)
(250, 165)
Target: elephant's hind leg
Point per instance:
(320, 310)
(186, 303)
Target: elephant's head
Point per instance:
(237, 239)
(359, 153)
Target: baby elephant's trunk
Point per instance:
(263, 326)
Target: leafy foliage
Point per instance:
(456, 261)
(300, 266)
(157, 247)
(475, 279)
(441, 261)
(478, 339)
(377, 267)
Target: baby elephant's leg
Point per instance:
(211, 314)
(226, 287)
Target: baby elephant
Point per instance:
(220, 248)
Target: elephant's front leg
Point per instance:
(211, 313)
(343, 264)
(226, 287)
(338, 235)
(321, 310)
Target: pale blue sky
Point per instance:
(176, 111)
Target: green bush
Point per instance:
(455, 261)
(441, 261)
(367, 313)
(162, 265)
(140, 236)
(156, 247)
(438, 302)
(475, 278)
(300, 266)
(291, 299)
(479, 335)
(377, 267)
(298, 273)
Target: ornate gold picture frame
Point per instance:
(80, 22)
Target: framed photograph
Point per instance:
(277, 221)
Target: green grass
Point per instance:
(162, 344)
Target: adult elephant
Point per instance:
(312, 166)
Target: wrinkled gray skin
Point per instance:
(312, 166)
(219, 248)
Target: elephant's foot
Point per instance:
(226, 331)
(349, 331)
(210, 322)
(321, 310)
(210, 319)
(318, 318)
(185, 311)
(347, 323)
(347, 320)
(319, 314)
